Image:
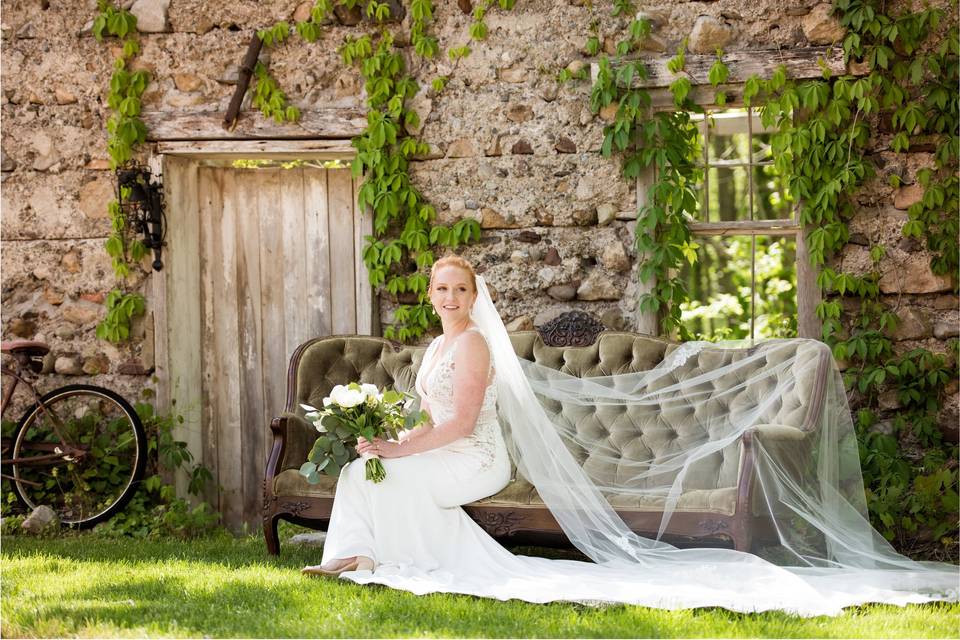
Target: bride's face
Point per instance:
(453, 294)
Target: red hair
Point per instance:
(459, 262)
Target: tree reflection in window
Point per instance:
(744, 283)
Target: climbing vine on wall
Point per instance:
(667, 142)
(826, 153)
(823, 146)
(911, 83)
(406, 232)
(125, 131)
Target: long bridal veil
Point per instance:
(676, 433)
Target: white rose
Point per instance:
(353, 398)
(346, 397)
(371, 391)
(335, 394)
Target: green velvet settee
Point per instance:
(715, 505)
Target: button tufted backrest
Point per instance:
(622, 434)
(616, 437)
(320, 364)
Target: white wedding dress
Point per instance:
(422, 541)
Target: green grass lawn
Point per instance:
(87, 586)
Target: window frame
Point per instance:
(800, 63)
(807, 290)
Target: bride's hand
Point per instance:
(379, 448)
(363, 445)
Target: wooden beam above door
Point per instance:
(274, 149)
(252, 125)
(800, 62)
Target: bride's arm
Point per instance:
(470, 375)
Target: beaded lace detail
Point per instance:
(436, 385)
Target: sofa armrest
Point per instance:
(778, 432)
(781, 442)
(293, 437)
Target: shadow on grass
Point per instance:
(226, 587)
(223, 550)
(168, 605)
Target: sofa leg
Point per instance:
(742, 540)
(270, 534)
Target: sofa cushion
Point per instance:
(613, 352)
(291, 483)
(520, 492)
(615, 438)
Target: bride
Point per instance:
(409, 532)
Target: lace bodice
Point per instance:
(435, 384)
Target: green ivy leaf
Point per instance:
(719, 72)
(680, 88)
(478, 30)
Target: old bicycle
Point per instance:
(80, 449)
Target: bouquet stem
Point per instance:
(375, 470)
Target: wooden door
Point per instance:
(278, 262)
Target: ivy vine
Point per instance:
(826, 156)
(406, 232)
(823, 146)
(666, 141)
(911, 82)
(125, 130)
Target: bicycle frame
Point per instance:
(64, 448)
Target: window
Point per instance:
(745, 281)
(747, 214)
(742, 286)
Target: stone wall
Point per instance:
(509, 147)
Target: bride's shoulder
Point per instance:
(472, 344)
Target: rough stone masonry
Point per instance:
(509, 147)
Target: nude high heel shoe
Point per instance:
(319, 570)
(365, 564)
(358, 563)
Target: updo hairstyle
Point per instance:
(454, 260)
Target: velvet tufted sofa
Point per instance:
(717, 493)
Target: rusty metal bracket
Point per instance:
(243, 82)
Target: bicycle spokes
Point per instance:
(78, 452)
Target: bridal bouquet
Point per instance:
(351, 411)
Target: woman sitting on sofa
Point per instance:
(409, 531)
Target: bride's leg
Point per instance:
(350, 532)
(385, 522)
(410, 509)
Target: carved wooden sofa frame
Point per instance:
(516, 523)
